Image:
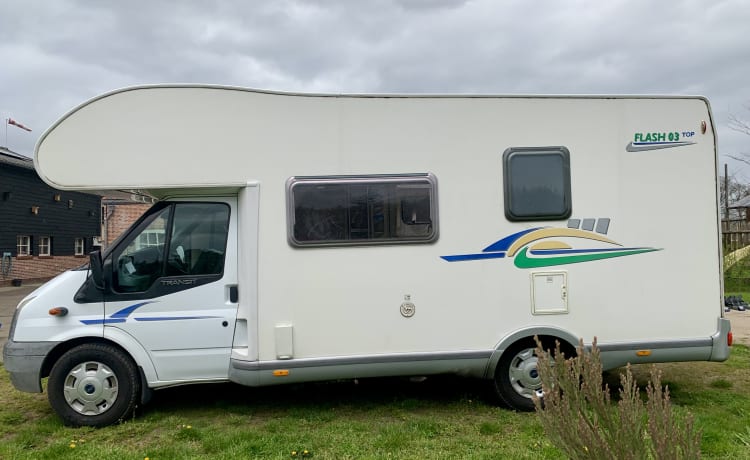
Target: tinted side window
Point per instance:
(182, 239)
(198, 239)
(537, 183)
(142, 261)
(362, 210)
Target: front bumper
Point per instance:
(24, 360)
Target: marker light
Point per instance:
(730, 339)
(280, 373)
(643, 353)
(58, 311)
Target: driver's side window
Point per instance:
(183, 239)
(198, 239)
(142, 261)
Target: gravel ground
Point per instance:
(740, 326)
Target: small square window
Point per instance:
(79, 247)
(537, 183)
(45, 246)
(23, 245)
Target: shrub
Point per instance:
(578, 417)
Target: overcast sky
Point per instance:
(56, 54)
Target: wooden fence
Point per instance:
(733, 241)
(735, 234)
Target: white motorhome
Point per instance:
(303, 237)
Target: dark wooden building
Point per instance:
(43, 231)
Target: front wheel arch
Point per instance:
(145, 368)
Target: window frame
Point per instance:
(40, 245)
(82, 246)
(164, 282)
(514, 152)
(27, 245)
(429, 180)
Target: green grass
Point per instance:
(737, 278)
(718, 396)
(379, 418)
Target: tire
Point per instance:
(93, 384)
(517, 377)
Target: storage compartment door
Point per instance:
(549, 293)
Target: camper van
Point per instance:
(310, 237)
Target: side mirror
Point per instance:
(97, 269)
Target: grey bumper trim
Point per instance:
(468, 363)
(23, 360)
(355, 360)
(656, 345)
(720, 348)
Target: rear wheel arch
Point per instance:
(513, 369)
(547, 335)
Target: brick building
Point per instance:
(43, 231)
(118, 215)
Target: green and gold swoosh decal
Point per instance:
(522, 260)
(555, 232)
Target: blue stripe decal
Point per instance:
(103, 321)
(504, 244)
(544, 252)
(122, 316)
(480, 256)
(174, 318)
(125, 312)
(119, 316)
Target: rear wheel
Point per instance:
(93, 385)
(517, 376)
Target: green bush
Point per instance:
(578, 417)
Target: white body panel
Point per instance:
(37, 325)
(345, 301)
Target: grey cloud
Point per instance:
(65, 52)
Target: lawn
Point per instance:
(444, 417)
(737, 277)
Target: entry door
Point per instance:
(169, 285)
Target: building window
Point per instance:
(23, 245)
(79, 247)
(151, 238)
(45, 246)
(362, 210)
(537, 183)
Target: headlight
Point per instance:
(16, 314)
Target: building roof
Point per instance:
(12, 158)
(741, 203)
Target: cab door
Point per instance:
(170, 285)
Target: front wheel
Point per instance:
(93, 384)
